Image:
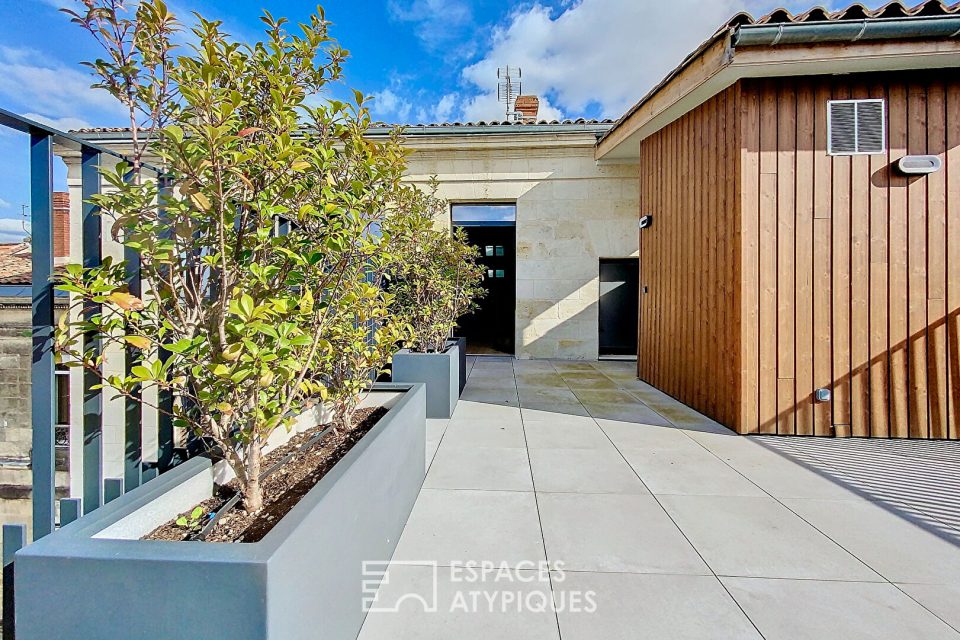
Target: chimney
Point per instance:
(527, 107)
(61, 224)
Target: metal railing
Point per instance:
(96, 490)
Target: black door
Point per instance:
(619, 298)
(490, 330)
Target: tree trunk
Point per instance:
(252, 490)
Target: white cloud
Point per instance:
(443, 26)
(13, 230)
(67, 123)
(604, 52)
(444, 108)
(4, 204)
(388, 105)
(33, 81)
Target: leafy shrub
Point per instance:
(436, 276)
(260, 252)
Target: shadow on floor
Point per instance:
(917, 480)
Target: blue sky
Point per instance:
(421, 60)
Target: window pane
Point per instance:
(489, 250)
(499, 273)
(466, 213)
(63, 398)
(499, 251)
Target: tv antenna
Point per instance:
(508, 88)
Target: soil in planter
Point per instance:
(282, 489)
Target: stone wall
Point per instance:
(15, 424)
(570, 213)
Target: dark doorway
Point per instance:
(619, 298)
(490, 329)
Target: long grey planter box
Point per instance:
(440, 372)
(303, 580)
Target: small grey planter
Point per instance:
(303, 580)
(440, 372)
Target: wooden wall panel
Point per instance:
(857, 288)
(690, 307)
(774, 269)
(952, 235)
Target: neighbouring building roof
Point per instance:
(855, 11)
(15, 257)
(718, 61)
(479, 124)
(15, 267)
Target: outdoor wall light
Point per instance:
(646, 221)
(919, 165)
(822, 395)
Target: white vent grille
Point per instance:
(855, 127)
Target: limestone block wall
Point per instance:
(570, 213)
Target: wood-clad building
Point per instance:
(796, 279)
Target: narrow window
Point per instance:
(62, 427)
(856, 127)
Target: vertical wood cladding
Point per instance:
(774, 269)
(689, 259)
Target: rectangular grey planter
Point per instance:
(440, 372)
(462, 346)
(303, 580)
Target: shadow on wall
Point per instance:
(909, 414)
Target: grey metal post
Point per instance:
(92, 398)
(70, 510)
(14, 539)
(43, 390)
(112, 489)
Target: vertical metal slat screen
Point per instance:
(43, 396)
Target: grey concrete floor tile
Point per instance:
(631, 435)
(537, 379)
(572, 365)
(783, 477)
(560, 409)
(488, 468)
(747, 536)
(435, 430)
(940, 599)
(686, 471)
(605, 396)
(583, 471)
(554, 417)
(610, 532)
(464, 432)
(885, 539)
(566, 434)
(547, 395)
(491, 386)
(637, 413)
(491, 396)
(460, 610)
(631, 606)
(812, 609)
(473, 409)
(586, 380)
(531, 364)
(461, 526)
